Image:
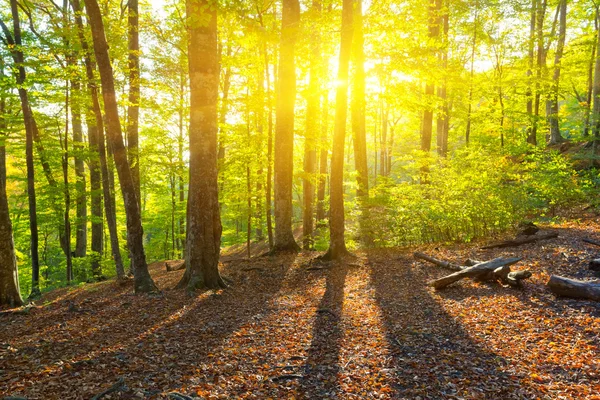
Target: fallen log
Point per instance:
(176, 266)
(590, 241)
(521, 240)
(439, 263)
(481, 270)
(566, 287)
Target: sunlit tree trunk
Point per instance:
(284, 128)
(541, 64)
(204, 221)
(30, 128)
(471, 76)
(143, 283)
(590, 85)
(269, 178)
(133, 108)
(427, 125)
(442, 119)
(312, 130)
(80, 185)
(323, 156)
(337, 243)
(596, 90)
(531, 138)
(555, 136)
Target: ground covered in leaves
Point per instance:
(289, 327)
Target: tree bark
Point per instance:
(284, 129)
(337, 243)
(473, 47)
(204, 221)
(143, 283)
(442, 119)
(531, 138)
(80, 184)
(590, 86)
(596, 89)
(566, 287)
(541, 64)
(323, 156)
(555, 136)
(133, 108)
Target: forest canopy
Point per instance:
(148, 130)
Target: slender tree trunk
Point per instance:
(323, 156)
(133, 108)
(80, 185)
(30, 128)
(358, 105)
(180, 142)
(284, 129)
(383, 140)
(9, 275)
(337, 243)
(97, 142)
(427, 127)
(596, 90)
(269, 183)
(442, 119)
(541, 64)
(555, 136)
(143, 283)
(531, 139)
(67, 194)
(312, 130)
(204, 221)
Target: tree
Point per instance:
(555, 136)
(284, 129)
(143, 283)
(204, 220)
(337, 242)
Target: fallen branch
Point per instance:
(566, 287)
(439, 263)
(520, 241)
(118, 386)
(483, 270)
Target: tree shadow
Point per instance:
(431, 355)
(322, 363)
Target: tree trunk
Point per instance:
(596, 89)
(312, 130)
(269, 178)
(323, 156)
(473, 47)
(80, 185)
(573, 288)
(133, 108)
(531, 138)
(67, 194)
(337, 243)
(541, 64)
(427, 126)
(555, 136)
(358, 105)
(284, 129)
(442, 119)
(135, 235)
(204, 221)
(590, 86)
(30, 128)
(97, 142)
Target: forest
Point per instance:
(373, 199)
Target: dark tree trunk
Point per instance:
(358, 105)
(180, 142)
(337, 243)
(312, 131)
(204, 222)
(9, 276)
(555, 136)
(30, 129)
(80, 184)
(133, 108)
(97, 141)
(135, 235)
(67, 195)
(284, 129)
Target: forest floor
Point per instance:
(366, 328)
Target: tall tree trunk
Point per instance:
(80, 185)
(427, 127)
(555, 136)
(284, 129)
(204, 221)
(590, 86)
(312, 129)
(541, 64)
(596, 89)
(180, 142)
(323, 156)
(531, 138)
(337, 243)
(67, 194)
(269, 178)
(9, 275)
(97, 142)
(133, 108)
(143, 283)
(358, 106)
(30, 129)
(385, 112)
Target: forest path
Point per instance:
(366, 328)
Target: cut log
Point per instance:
(175, 266)
(566, 287)
(476, 271)
(521, 240)
(439, 263)
(590, 241)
